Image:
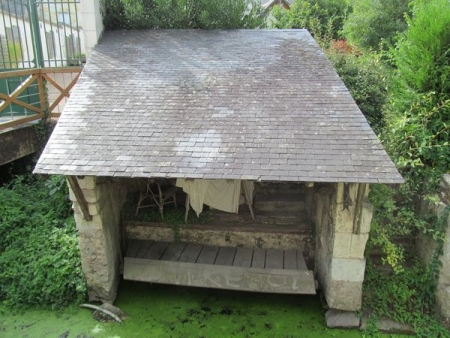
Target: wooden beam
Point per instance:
(73, 182)
(12, 98)
(9, 100)
(62, 70)
(17, 122)
(64, 93)
(15, 73)
(358, 207)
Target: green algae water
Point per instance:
(170, 311)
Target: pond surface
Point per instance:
(170, 311)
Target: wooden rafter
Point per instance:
(73, 182)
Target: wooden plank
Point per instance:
(259, 258)
(73, 182)
(243, 257)
(16, 73)
(62, 70)
(225, 256)
(156, 250)
(143, 248)
(290, 259)
(301, 264)
(133, 247)
(10, 100)
(219, 276)
(64, 93)
(24, 120)
(173, 252)
(190, 253)
(274, 259)
(208, 254)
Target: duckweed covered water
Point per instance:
(170, 311)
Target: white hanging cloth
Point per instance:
(218, 194)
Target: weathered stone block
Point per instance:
(358, 245)
(91, 196)
(366, 218)
(344, 295)
(443, 300)
(342, 245)
(342, 319)
(95, 223)
(347, 269)
(87, 182)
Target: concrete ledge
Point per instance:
(17, 143)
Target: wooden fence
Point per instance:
(44, 83)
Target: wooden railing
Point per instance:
(51, 93)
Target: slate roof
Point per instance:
(240, 104)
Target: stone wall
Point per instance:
(342, 215)
(100, 238)
(92, 23)
(426, 245)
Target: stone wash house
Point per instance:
(259, 107)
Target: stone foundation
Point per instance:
(100, 238)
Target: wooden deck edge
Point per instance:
(220, 277)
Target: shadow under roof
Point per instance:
(241, 104)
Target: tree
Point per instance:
(418, 118)
(374, 22)
(323, 18)
(163, 14)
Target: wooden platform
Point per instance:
(246, 269)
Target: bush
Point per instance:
(418, 141)
(373, 22)
(366, 78)
(182, 14)
(39, 257)
(422, 55)
(323, 18)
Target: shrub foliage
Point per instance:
(182, 14)
(323, 18)
(39, 257)
(374, 22)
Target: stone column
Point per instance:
(99, 238)
(342, 216)
(92, 23)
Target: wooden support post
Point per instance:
(73, 182)
(358, 208)
(187, 209)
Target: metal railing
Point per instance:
(37, 34)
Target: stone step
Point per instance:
(287, 203)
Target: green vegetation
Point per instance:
(182, 14)
(13, 55)
(374, 24)
(366, 77)
(40, 262)
(323, 18)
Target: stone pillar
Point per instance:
(92, 23)
(342, 217)
(99, 238)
